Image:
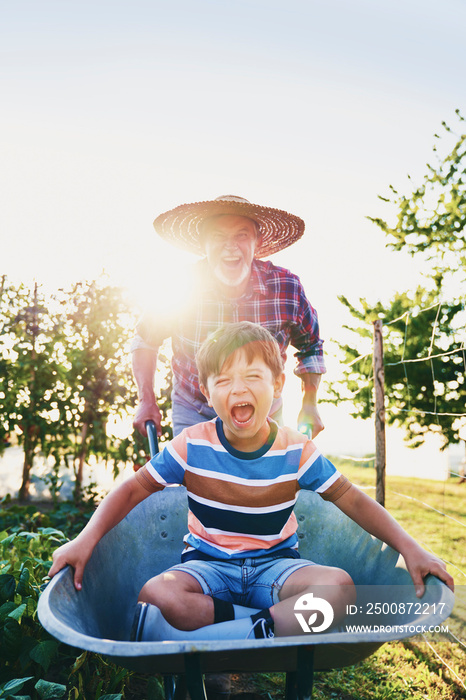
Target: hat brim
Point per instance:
(182, 226)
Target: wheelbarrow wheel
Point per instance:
(174, 687)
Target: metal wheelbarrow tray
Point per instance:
(149, 540)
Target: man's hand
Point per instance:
(147, 410)
(144, 363)
(309, 421)
(76, 554)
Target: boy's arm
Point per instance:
(371, 516)
(115, 506)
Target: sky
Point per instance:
(115, 111)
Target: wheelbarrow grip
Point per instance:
(152, 437)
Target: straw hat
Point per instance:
(182, 225)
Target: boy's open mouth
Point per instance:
(242, 413)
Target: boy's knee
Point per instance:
(342, 578)
(331, 576)
(337, 586)
(168, 594)
(155, 591)
(344, 593)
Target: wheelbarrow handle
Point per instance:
(152, 437)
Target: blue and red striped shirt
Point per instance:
(241, 503)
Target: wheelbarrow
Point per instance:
(149, 540)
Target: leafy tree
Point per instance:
(31, 376)
(99, 381)
(64, 372)
(100, 385)
(424, 349)
(423, 359)
(431, 220)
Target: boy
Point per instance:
(240, 573)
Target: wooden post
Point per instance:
(379, 382)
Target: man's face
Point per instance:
(229, 243)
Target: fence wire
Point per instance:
(405, 362)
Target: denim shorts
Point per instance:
(255, 583)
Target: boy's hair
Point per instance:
(255, 340)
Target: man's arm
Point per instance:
(144, 361)
(371, 516)
(115, 506)
(309, 420)
(305, 337)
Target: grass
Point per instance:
(433, 512)
(432, 667)
(418, 668)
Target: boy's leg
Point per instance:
(180, 598)
(183, 603)
(173, 606)
(332, 584)
(166, 590)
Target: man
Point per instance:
(232, 284)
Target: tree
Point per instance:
(431, 220)
(423, 360)
(99, 381)
(65, 370)
(424, 344)
(31, 377)
(100, 384)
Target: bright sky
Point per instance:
(114, 111)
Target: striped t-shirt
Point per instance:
(241, 503)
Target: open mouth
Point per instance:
(242, 413)
(231, 261)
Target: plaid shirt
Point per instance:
(275, 299)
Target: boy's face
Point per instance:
(242, 394)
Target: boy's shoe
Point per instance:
(150, 625)
(138, 622)
(262, 629)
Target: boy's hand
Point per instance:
(110, 512)
(74, 553)
(378, 522)
(420, 563)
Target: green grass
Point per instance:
(406, 670)
(419, 668)
(431, 667)
(412, 503)
(412, 669)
